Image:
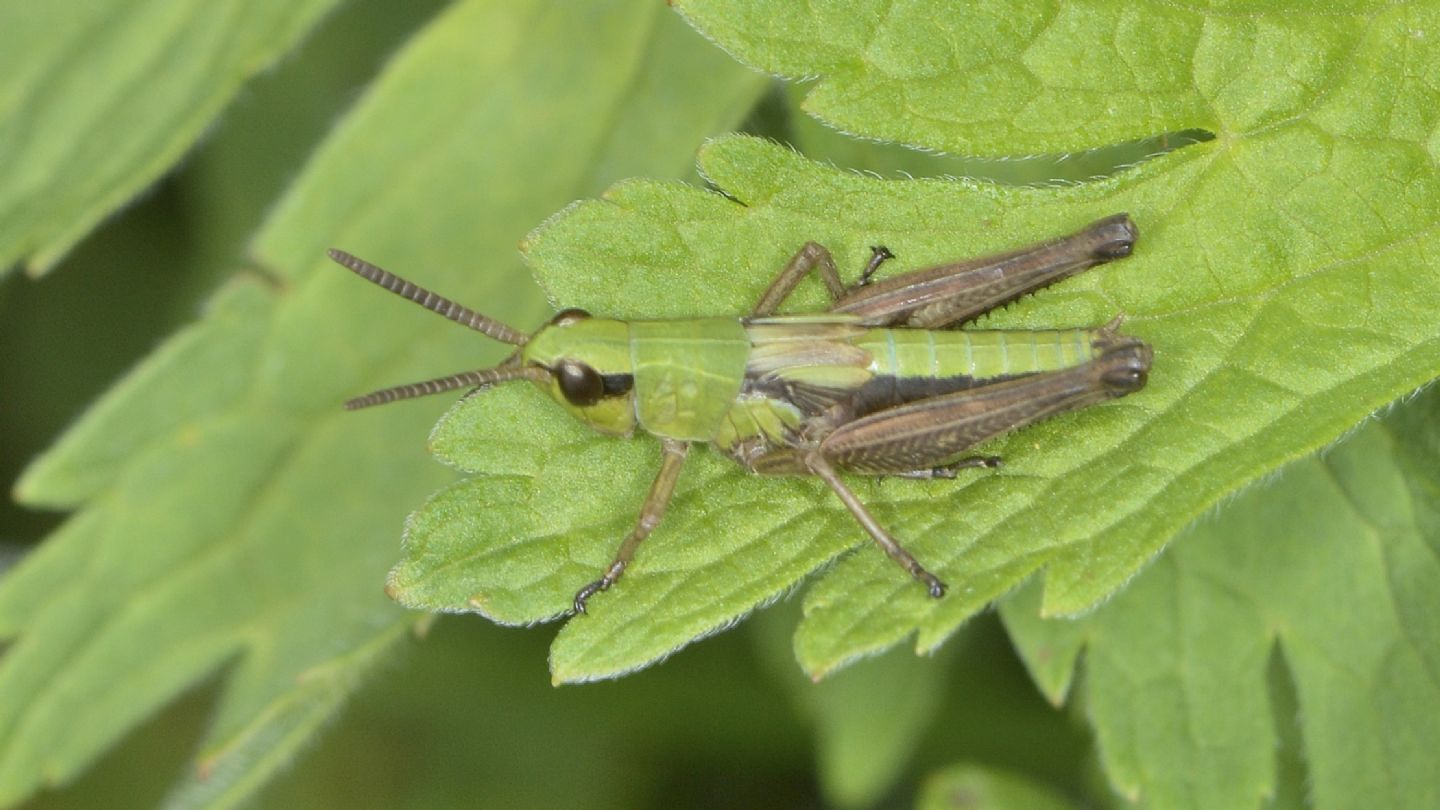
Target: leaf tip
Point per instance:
(717, 150)
(818, 671)
(22, 491)
(37, 483)
(1055, 693)
(561, 675)
(393, 590)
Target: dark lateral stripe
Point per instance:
(886, 391)
(617, 384)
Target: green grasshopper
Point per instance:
(875, 385)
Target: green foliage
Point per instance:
(868, 721)
(229, 518)
(1281, 340)
(1334, 565)
(228, 509)
(1015, 78)
(971, 787)
(102, 98)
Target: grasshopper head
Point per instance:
(583, 362)
(590, 375)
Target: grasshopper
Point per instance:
(875, 385)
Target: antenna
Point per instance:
(466, 379)
(435, 303)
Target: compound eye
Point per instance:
(565, 317)
(581, 385)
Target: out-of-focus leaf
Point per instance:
(1335, 563)
(146, 273)
(99, 99)
(481, 727)
(974, 787)
(231, 512)
(868, 720)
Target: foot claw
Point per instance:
(879, 254)
(987, 462)
(583, 595)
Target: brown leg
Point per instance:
(650, 515)
(961, 291)
(867, 521)
(812, 256)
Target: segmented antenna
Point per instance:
(467, 379)
(435, 303)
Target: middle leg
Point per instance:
(811, 256)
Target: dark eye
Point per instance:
(565, 317)
(581, 384)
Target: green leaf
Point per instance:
(1333, 568)
(1263, 353)
(975, 787)
(230, 512)
(1016, 78)
(242, 764)
(1283, 277)
(100, 99)
(818, 141)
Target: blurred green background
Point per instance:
(466, 715)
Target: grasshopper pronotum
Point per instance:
(876, 385)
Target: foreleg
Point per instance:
(650, 514)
